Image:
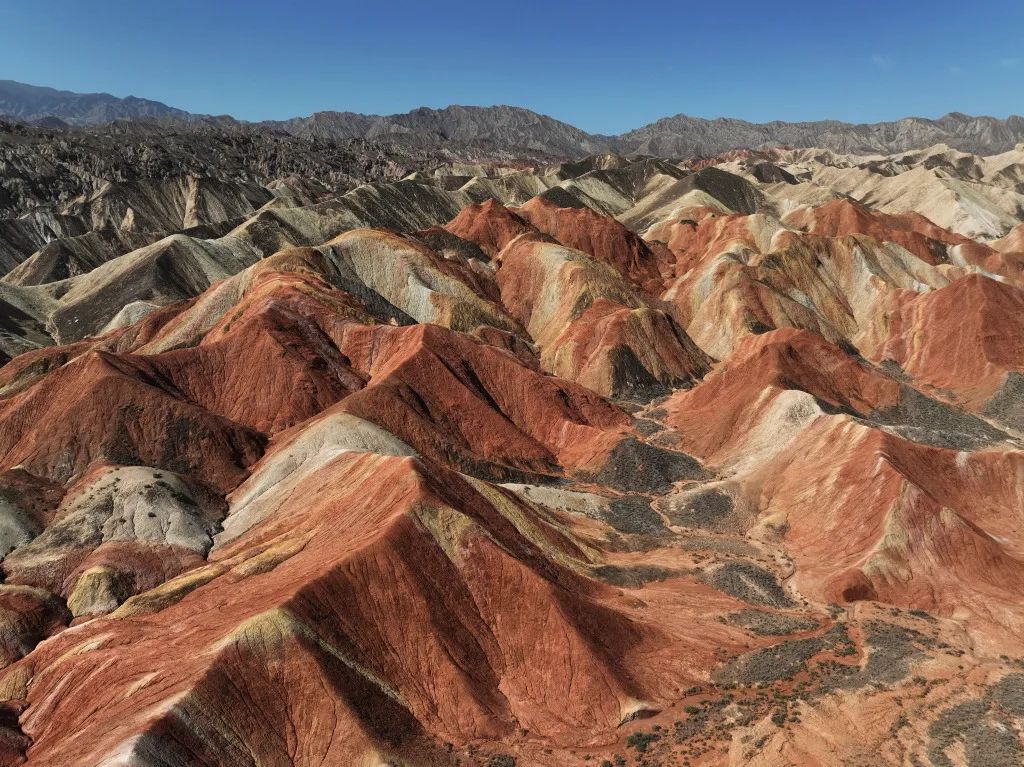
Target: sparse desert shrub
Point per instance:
(641, 741)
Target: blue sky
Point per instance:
(604, 66)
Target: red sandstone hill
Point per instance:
(603, 238)
(966, 338)
(592, 464)
(490, 225)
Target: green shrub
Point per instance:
(641, 740)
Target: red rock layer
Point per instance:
(603, 238)
(926, 240)
(274, 331)
(613, 349)
(700, 233)
(913, 231)
(869, 516)
(489, 224)
(590, 322)
(311, 355)
(450, 396)
(410, 625)
(962, 339)
(716, 417)
(115, 409)
(1013, 242)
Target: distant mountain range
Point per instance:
(33, 103)
(511, 128)
(501, 126)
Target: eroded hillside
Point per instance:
(618, 461)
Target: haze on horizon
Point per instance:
(599, 66)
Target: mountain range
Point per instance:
(511, 128)
(33, 103)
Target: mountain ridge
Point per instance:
(512, 127)
(32, 103)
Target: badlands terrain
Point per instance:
(356, 457)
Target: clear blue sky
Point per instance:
(604, 66)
